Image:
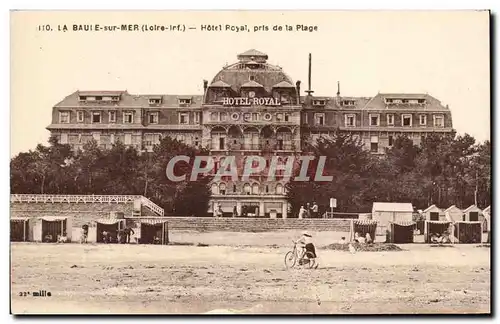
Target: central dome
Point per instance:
(251, 72)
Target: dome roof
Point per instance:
(252, 68)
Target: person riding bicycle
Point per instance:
(305, 242)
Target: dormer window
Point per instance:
(252, 77)
(82, 98)
(98, 98)
(154, 101)
(185, 101)
(348, 103)
(389, 101)
(421, 101)
(319, 102)
(115, 98)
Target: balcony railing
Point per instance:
(254, 147)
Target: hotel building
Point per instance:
(250, 107)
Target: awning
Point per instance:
(469, 222)
(438, 222)
(19, 219)
(108, 221)
(404, 223)
(53, 218)
(364, 222)
(152, 221)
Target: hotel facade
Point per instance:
(249, 108)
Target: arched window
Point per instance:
(255, 189)
(222, 188)
(215, 189)
(279, 189)
(247, 189)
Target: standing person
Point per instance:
(315, 210)
(302, 212)
(128, 231)
(85, 233)
(308, 211)
(235, 211)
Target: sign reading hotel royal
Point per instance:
(243, 101)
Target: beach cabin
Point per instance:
(472, 214)
(20, 229)
(388, 212)
(151, 230)
(453, 214)
(434, 213)
(47, 228)
(110, 225)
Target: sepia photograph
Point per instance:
(250, 162)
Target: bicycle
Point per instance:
(305, 259)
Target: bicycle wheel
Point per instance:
(290, 259)
(310, 258)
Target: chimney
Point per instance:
(338, 88)
(205, 86)
(297, 84)
(309, 91)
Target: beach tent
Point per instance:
(362, 227)
(110, 225)
(401, 232)
(53, 226)
(20, 230)
(468, 232)
(436, 227)
(149, 228)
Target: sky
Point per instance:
(443, 53)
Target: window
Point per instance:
(391, 140)
(405, 100)
(64, 138)
(287, 117)
(348, 103)
(128, 118)
(350, 120)
(154, 101)
(215, 189)
(115, 98)
(153, 118)
(255, 189)
(197, 118)
(214, 116)
(222, 188)
(473, 216)
(96, 117)
(112, 116)
(422, 120)
(82, 98)
(319, 119)
(64, 117)
(319, 102)
(252, 77)
(305, 119)
(421, 101)
(80, 115)
(279, 189)
(406, 120)
(390, 119)
(374, 120)
(434, 216)
(196, 141)
(223, 116)
(247, 189)
(184, 101)
(255, 117)
(98, 98)
(234, 188)
(388, 101)
(439, 121)
(183, 118)
(374, 144)
(279, 117)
